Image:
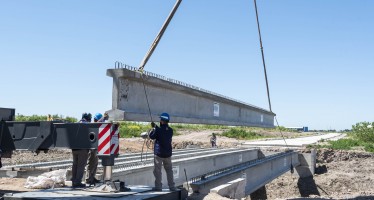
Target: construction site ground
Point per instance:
(339, 174)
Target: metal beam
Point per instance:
(184, 102)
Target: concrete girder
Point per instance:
(194, 166)
(185, 103)
(256, 173)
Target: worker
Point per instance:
(93, 159)
(106, 117)
(162, 152)
(213, 140)
(49, 118)
(80, 159)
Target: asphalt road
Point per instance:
(296, 142)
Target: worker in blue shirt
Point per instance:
(162, 152)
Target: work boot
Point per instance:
(92, 182)
(79, 185)
(173, 189)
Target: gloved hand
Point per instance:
(153, 124)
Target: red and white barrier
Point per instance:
(108, 143)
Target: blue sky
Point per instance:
(319, 54)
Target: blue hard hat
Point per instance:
(98, 116)
(165, 117)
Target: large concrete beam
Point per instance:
(185, 103)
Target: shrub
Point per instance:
(344, 144)
(364, 131)
(240, 133)
(132, 129)
(25, 118)
(369, 147)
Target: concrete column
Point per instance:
(307, 164)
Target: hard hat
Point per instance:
(98, 116)
(165, 117)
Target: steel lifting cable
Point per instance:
(147, 141)
(266, 77)
(153, 47)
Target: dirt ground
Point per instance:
(339, 174)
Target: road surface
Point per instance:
(295, 142)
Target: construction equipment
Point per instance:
(45, 135)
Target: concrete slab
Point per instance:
(137, 192)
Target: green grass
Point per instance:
(134, 129)
(346, 144)
(25, 118)
(369, 147)
(197, 127)
(243, 134)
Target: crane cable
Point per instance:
(266, 78)
(147, 141)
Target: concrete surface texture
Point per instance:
(234, 189)
(194, 166)
(256, 174)
(185, 103)
(296, 142)
(138, 192)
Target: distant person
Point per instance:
(213, 140)
(163, 151)
(80, 159)
(93, 159)
(49, 118)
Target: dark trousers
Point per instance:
(93, 161)
(79, 163)
(158, 161)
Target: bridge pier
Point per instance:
(307, 164)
